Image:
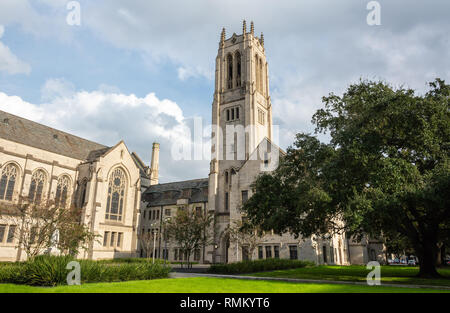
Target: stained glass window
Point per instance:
(116, 195)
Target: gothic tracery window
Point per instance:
(116, 195)
(62, 190)
(37, 186)
(8, 181)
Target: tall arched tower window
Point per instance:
(62, 190)
(8, 181)
(230, 71)
(37, 186)
(257, 71)
(261, 80)
(116, 195)
(238, 69)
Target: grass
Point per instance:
(210, 285)
(389, 274)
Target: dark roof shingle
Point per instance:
(23, 131)
(168, 194)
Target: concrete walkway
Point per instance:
(296, 280)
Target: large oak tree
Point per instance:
(386, 170)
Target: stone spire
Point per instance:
(222, 37)
(262, 39)
(244, 28)
(252, 28)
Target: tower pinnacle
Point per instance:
(222, 37)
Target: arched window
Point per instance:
(37, 186)
(257, 72)
(116, 195)
(8, 181)
(261, 77)
(62, 190)
(238, 69)
(230, 71)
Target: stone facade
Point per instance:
(29, 148)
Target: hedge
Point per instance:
(245, 267)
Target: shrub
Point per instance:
(12, 273)
(132, 260)
(245, 267)
(51, 271)
(45, 270)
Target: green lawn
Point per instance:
(389, 274)
(209, 285)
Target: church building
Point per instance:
(121, 197)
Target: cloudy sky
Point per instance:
(142, 70)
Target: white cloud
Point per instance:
(108, 118)
(186, 72)
(9, 62)
(54, 88)
(24, 13)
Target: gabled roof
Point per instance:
(272, 146)
(26, 132)
(169, 193)
(140, 164)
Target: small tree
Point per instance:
(38, 223)
(190, 230)
(35, 226)
(245, 235)
(146, 239)
(73, 235)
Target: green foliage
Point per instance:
(12, 273)
(51, 271)
(386, 170)
(245, 267)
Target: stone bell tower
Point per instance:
(241, 111)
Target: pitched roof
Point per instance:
(23, 131)
(282, 153)
(140, 165)
(169, 193)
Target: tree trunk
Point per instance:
(427, 253)
(443, 255)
